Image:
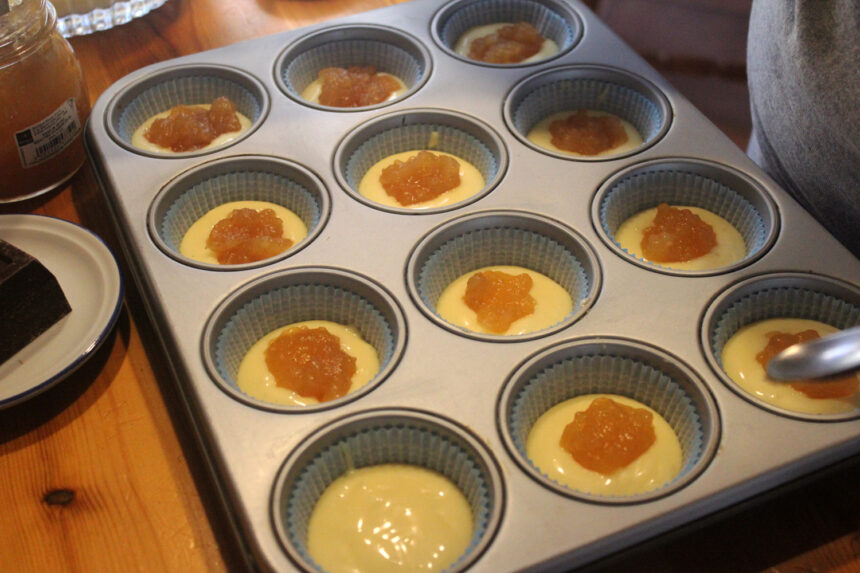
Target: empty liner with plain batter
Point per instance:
(611, 366)
(587, 87)
(493, 238)
(296, 295)
(184, 85)
(778, 295)
(390, 436)
(686, 182)
(248, 178)
(388, 50)
(553, 20)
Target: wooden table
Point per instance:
(100, 473)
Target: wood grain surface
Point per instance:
(100, 473)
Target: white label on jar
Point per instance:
(45, 139)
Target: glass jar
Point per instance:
(79, 17)
(43, 102)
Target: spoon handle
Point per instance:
(835, 353)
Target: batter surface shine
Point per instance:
(391, 517)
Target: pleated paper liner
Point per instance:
(192, 194)
(778, 295)
(492, 238)
(608, 365)
(388, 436)
(553, 20)
(434, 130)
(716, 188)
(184, 85)
(598, 88)
(296, 295)
(389, 50)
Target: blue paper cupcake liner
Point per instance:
(386, 437)
(780, 295)
(503, 238)
(184, 85)
(712, 187)
(553, 20)
(611, 366)
(389, 50)
(453, 133)
(298, 295)
(187, 198)
(570, 88)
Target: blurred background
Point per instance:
(699, 46)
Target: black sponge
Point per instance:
(31, 300)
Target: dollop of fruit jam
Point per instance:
(841, 387)
(507, 45)
(608, 436)
(311, 363)
(677, 235)
(586, 134)
(422, 177)
(187, 128)
(499, 298)
(355, 86)
(246, 235)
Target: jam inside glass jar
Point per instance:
(43, 102)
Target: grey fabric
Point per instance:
(803, 68)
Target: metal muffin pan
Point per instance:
(434, 375)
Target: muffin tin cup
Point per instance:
(387, 436)
(680, 181)
(389, 50)
(193, 193)
(506, 237)
(296, 295)
(184, 85)
(590, 87)
(554, 21)
(778, 295)
(434, 130)
(609, 365)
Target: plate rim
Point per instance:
(92, 344)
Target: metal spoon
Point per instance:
(832, 354)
